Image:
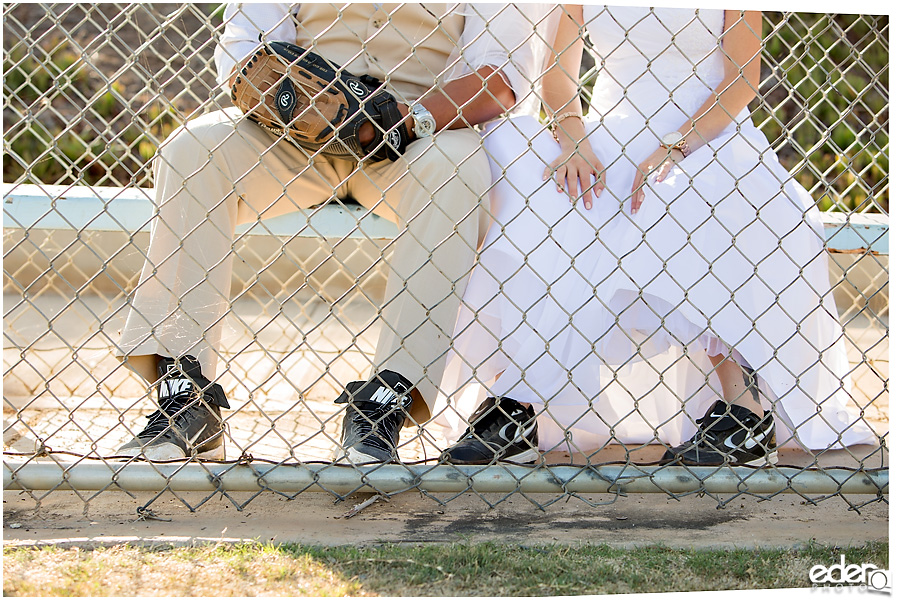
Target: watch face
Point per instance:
(670, 139)
(427, 126)
(423, 121)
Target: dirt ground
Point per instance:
(315, 518)
(709, 521)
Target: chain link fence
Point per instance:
(92, 90)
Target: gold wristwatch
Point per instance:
(676, 141)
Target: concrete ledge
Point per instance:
(85, 208)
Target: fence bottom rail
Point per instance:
(395, 478)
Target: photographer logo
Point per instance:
(842, 574)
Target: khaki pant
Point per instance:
(219, 170)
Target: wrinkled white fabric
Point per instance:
(515, 37)
(603, 320)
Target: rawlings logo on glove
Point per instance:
(289, 90)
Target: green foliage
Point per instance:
(61, 127)
(217, 14)
(823, 106)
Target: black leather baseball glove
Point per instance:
(290, 90)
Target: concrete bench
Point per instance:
(119, 209)
(129, 209)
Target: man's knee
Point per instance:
(454, 156)
(198, 139)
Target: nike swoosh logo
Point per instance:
(196, 436)
(752, 441)
(503, 431)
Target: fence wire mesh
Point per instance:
(91, 91)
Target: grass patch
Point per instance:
(461, 569)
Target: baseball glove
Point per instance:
(290, 90)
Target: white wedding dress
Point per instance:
(603, 320)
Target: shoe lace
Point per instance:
(704, 435)
(477, 431)
(169, 407)
(374, 415)
(705, 428)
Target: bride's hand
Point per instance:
(657, 165)
(578, 167)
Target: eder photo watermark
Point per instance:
(866, 576)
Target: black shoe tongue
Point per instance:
(185, 366)
(350, 389)
(510, 405)
(385, 389)
(396, 381)
(172, 388)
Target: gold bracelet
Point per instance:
(559, 119)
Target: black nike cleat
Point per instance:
(188, 422)
(499, 430)
(728, 436)
(376, 410)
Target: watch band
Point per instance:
(681, 144)
(683, 147)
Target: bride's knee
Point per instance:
(520, 143)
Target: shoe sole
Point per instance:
(355, 457)
(529, 457)
(168, 451)
(769, 460)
